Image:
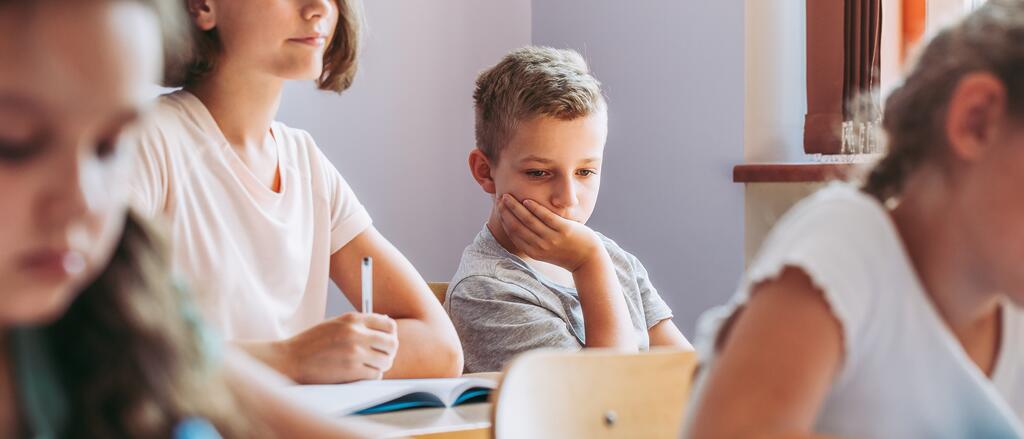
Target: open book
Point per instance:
(368, 397)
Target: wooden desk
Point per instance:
(470, 421)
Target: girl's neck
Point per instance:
(242, 103)
(928, 220)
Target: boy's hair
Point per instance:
(340, 56)
(529, 82)
(990, 39)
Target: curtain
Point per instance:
(843, 64)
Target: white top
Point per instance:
(904, 374)
(258, 260)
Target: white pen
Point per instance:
(367, 285)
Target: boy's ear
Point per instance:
(480, 167)
(976, 108)
(203, 13)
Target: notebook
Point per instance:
(368, 397)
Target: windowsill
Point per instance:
(791, 172)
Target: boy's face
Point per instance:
(556, 163)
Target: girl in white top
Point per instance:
(94, 339)
(261, 220)
(892, 311)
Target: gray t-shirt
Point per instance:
(501, 307)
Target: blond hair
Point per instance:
(340, 58)
(530, 82)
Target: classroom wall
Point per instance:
(673, 73)
(401, 134)
(776, 78)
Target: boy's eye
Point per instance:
(536, 173)
(586, 172)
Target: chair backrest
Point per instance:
(439, 289)
(594, 394)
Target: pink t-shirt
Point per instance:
(258, 260)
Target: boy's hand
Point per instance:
(547, 237)
(350, 347)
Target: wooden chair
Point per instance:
(593, 394)
(439, 289)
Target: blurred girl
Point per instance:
(891, 311)
(94, 340)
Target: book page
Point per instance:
(346, 399)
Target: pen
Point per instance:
(367, 293)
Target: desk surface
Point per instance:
(463, 422)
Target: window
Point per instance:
(856, 51)
(843, 74)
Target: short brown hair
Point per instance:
(340, 57)
(529, 82)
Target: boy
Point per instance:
(536, 273)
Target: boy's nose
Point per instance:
(564, 195)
